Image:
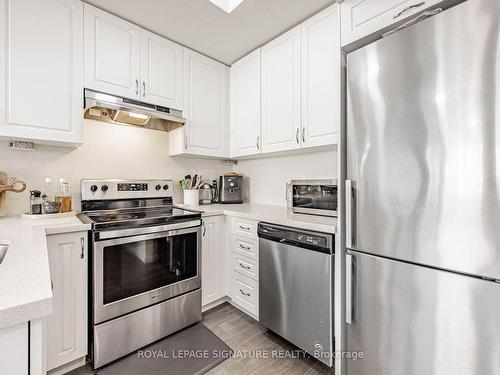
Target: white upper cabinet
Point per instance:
(281, 123)
(364, 17)
(41, 70)
(112, 54)
(205, 105)
(161, 71)
(321, 78)
(245, 105)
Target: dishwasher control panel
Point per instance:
(308, 239)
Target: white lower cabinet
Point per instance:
(14, 349)
(66, 327)
(243, 264)
(212, 259)
(245, 293)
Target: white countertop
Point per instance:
(25, 290)
(272, 214)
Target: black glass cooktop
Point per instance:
(126, 218)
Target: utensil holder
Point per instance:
(191, 197)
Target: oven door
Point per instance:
(134, 272)
(315, 197)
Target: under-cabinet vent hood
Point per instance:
(117, 110)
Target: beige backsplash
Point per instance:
(109, 151)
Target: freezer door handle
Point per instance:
(348, 288)
(348, 214)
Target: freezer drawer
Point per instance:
(415, 320)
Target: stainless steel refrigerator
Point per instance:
(423, 197)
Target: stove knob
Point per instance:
(104, 187)
(158, 187)
(165, 187)
(93, 188)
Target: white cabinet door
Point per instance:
(245, 105)
(161, 71)
(205, 105)
(212, 259)
(67, 325)
(112, 54)
(41, 70)
(281, 93)
(321, 78)
(14, 349)
(364, 17)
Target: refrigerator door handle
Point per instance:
(348, 214)
(348, 288)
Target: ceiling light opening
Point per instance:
(227, 5)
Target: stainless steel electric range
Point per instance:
(145, 267)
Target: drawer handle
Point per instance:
(244, 267)
(244, 247)
(245, 294)
(409, 8)
(244, 228)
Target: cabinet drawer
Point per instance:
(245, 292)
(245, 227)
(246, 247)
(246, 266)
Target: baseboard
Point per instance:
(242, 309)
(213, 304)
(73, 365)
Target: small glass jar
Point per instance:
(36, 202)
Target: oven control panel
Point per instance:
(132, 187)
(125, 189)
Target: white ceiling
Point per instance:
(202, 26)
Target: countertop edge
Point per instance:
(208, 211)
(40, 306)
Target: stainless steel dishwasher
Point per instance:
(296, 287)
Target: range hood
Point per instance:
(114, 109)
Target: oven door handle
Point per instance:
(147, 230)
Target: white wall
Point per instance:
(109, 151)
(267, 177)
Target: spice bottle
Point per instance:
(35, 202)
(64, 195)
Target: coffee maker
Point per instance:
(231, 188)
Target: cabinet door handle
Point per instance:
(51, 285)
(245, 294)
(258, 143)
(244, 247)
(143, 88)
(204, 229)
(297, 135)
(244, 267)
(408, 8)
(82, 243)
(185, 142)
(303, 134)
(136, 87)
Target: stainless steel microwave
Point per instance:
(315, 197)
